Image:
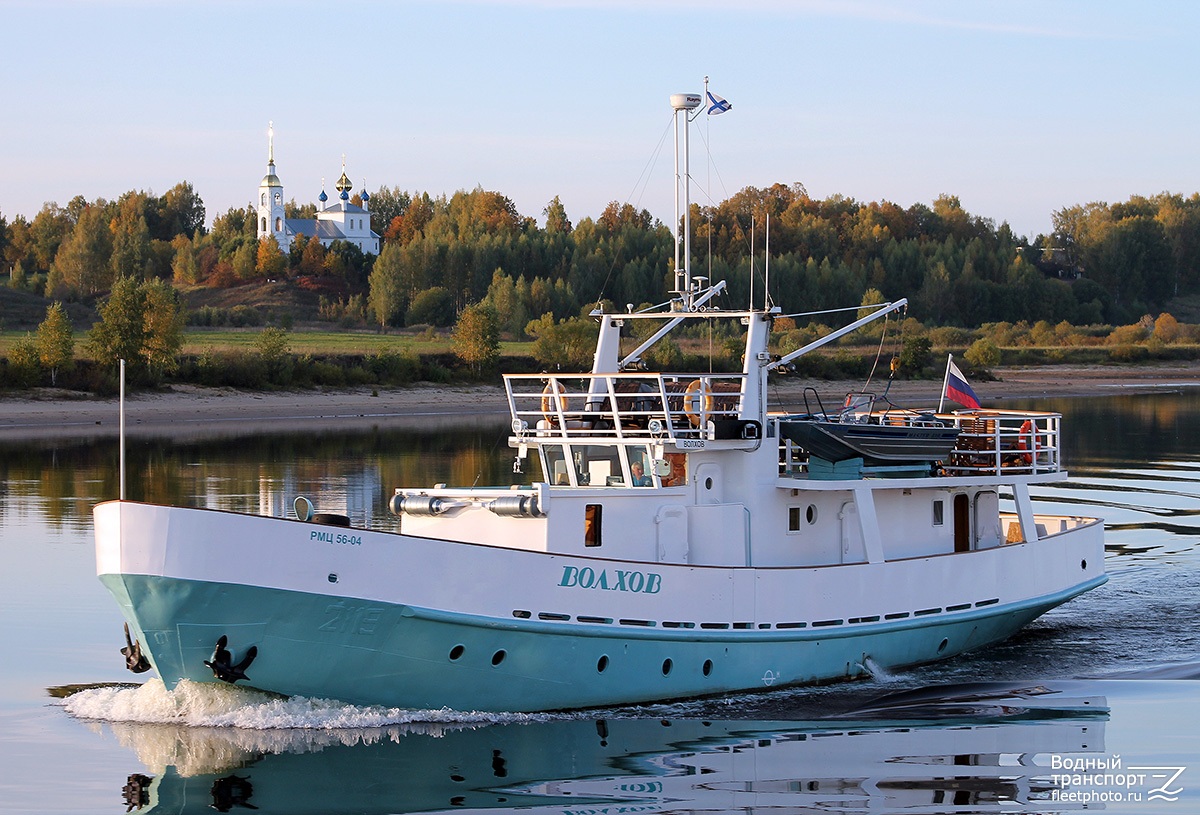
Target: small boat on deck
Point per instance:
(675, 538)
(892, 437)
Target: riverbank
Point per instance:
(195, 411)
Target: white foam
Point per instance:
(207, 704)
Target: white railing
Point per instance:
(990, 442)
(635, 406)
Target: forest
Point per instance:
(1102, 263)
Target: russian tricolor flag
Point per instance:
(957, 387)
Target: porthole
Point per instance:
(456, 652)
(667, 665)
(1083, 565)
(810, 514)
(499, 656)
(708, 483)
(602, 664)
(707, 667)
(942, 646)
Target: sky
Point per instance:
(1018, 108)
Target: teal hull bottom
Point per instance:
(376, 653)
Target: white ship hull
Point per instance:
(382, 618)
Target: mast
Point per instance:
(683, 103)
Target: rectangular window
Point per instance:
(938, 513)
(793, 519)
(591, 525)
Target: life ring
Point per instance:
(554, 390)
(695, 401)
(1025, 441)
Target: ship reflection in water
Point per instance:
(980, 746)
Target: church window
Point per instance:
(278, 199)
(278, 224)
(264, 199)
(263, 226)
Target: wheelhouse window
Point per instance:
(939, 512)
(555, 464)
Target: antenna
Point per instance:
(751, 262)
(767, 266)
(683, 103)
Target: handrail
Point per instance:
(622, 406)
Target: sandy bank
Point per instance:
(193, 411)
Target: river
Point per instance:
(1093, 706)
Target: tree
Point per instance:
(162, 328)
(81, 265)
(476, 337)
(982, 354)
(56, 341)
(434, 306)
(23, 363)
(120, 332)
(184, 268)
(386, 297)
(182, 212)
(556, 217)
(273, 346)
(131, 235)
(271, 262)
(568, 344)
(141, 322)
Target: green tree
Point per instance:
(983, 354)
(476, 338)
(56, 341)
(23, 363)
(181, 212)
(131, 255)
(386, 297)
(434, 306)
(556, 217)
(568, 344)
(163, 323)
(82, 263)
(275, 350)
(121, 331)
(142, 323)
(915, 355)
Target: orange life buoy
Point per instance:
(696, 400)
(1026, 441)
(553, 390)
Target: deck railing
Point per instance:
(665, 407)
(990, 442)
(1006, 441)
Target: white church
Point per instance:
(339, 221)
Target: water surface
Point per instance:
(1111, 674)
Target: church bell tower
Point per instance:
(270, 198)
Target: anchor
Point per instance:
(222, 662)
(134, 660)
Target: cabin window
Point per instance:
(794, 519)
(591, 524)
(939, 512)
